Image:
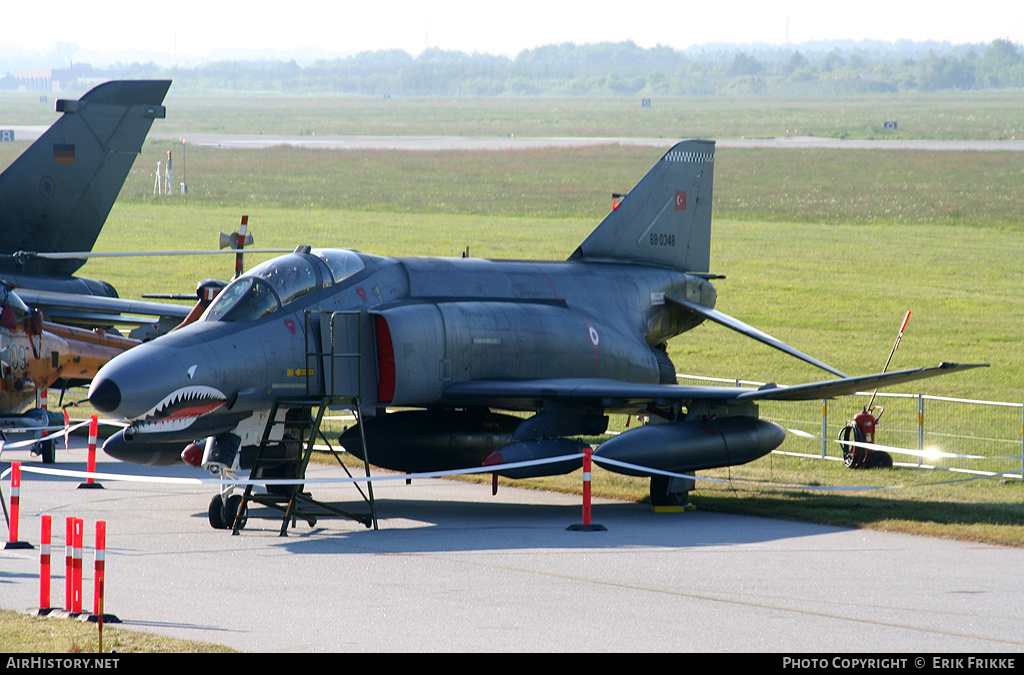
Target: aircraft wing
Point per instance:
(97, 311)
(612, 394)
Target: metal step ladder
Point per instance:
(334, 380)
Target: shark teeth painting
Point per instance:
(180, 409)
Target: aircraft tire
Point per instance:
(660, 496)
(216, 513)
(47, 451)
(231, 509)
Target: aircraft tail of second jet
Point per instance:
(666, 219)
(56, 196)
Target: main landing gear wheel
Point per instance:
(216, 513)
(660, 496)
(46, 451)
(231, 510)
(222, 513)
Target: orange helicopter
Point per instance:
(36, 354)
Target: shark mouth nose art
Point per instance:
(180, 408)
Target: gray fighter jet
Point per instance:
(56, 196)
(429, 350)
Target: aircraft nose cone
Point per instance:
(132, 383)
(105, 395)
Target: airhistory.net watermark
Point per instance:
(61, 662)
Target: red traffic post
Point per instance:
(586, 525)
(12, 530)
(100, 570)
(90, 482)
(76, 566)
(100, 577)
(69, 547)
(44, 566)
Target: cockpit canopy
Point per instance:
(275, 283)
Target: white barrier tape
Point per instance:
(819, 488)
(927, 454)
(4, 445)
(981, 476)
(936, 454)
(238, 482)
(76, 425)
(68, 473)
(907, 465)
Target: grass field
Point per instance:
(962, 115)
(24, 634)
(824, 249)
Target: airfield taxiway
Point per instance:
(526, 142)
(511, 142)
(454, 569)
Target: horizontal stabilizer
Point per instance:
(751, 332)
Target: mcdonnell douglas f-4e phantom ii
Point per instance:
(458, 340)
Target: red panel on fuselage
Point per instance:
(386, 366)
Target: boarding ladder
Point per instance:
(334, 380)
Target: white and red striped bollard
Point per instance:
(586, 485)
(94, 430)
(100, 572)
(587, 526)
(69, 557)
(100, 585)
(44, 565)
(13, 530)
(76, 566)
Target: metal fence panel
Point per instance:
(992, 432)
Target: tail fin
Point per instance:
(666, 219)
(56, 196)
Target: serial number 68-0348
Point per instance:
(663, 239)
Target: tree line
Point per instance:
(615, 69)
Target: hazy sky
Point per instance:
(195, 28)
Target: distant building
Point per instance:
(36, 80)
